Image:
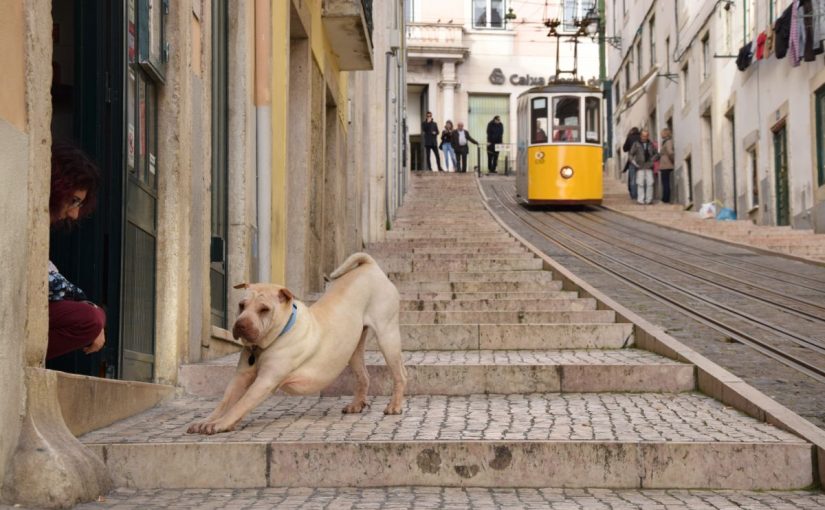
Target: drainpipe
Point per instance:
(387, 163)
(263, 136)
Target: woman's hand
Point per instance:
(97, 344)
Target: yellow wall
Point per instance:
(12, 79)
(280, 123)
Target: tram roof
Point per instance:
(561, 87)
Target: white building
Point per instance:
(752, 139)
(468, 62)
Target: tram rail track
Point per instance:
(688, 303)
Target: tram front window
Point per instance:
(566, 114)
(538, 120)
(592, 127)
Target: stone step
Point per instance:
(438, 257)
(448, 238)
(408, 265)
(542, 304)
(474, 276)
(465, 337)
(440, 286)
(508, 317)
(469, 244)
(484, 296)
(385, 250)
(643, 440)
(476, 372)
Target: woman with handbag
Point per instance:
(447, 146)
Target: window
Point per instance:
(748, 21)
(753, 178)
(627, 76)
(488, 14)
(639, 60)
(651, 29)
(689, 178)
(592, 125)
(706, 56)
(667, 54)
(685, 78)
(538, 120)
(566, 114)
(618, 96)
(820, 135)
(409, 6)
(574, 10)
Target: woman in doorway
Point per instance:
(74, 322)
(447, 146)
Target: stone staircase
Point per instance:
(797, 242)
(513, 382)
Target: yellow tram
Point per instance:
(559, 158)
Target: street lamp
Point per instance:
(595, 30)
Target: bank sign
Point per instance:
(497, 78)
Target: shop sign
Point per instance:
(497, 78)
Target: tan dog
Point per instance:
(301, 349)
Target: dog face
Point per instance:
(263, 308)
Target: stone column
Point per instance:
(448, 85)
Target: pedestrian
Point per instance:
(629, 167)
(430, 131)
(666, 157)
(461, 145)
(74, 322)
(495, 134)
(643, 154)
(447, 146)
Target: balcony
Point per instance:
(348, 24)
(435, 41)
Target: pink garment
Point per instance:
(794, 48)
(760, 45)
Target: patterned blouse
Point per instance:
(61, 289)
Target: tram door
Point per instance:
(483, 108)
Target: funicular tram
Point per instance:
(559, 159)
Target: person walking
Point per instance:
(429, 129)
(666, 156)
(495, 134)
(643, 154)
(461, 145)
(447, 146)
(629, 167)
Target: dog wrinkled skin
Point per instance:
(315, 350)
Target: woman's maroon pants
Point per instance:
(72, 325)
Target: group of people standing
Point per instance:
(455, 143)
(645, 160)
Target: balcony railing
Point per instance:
(435, 35)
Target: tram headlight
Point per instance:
(566, 172)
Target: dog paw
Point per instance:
(393, 409)
(355, 407)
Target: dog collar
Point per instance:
(290, 322)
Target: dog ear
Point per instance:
(243, 285)
(285, 295)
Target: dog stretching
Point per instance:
(301, 349)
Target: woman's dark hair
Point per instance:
(634, 131)
(72, 170)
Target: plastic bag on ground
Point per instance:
(726, 214)
(707, 211)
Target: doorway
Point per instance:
(780, 167)
(483, 108)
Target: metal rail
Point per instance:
(765, 348)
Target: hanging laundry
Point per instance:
(819, 22)
(770, 40)
(782, 30)
(794, 44)
(743, 60)
(760, 45)
(812, 46)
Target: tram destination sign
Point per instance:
(497, 77)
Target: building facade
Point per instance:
(751, 138)
(238, 142)
(469, 61)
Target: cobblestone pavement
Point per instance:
(800, 393)
(510, 357)
(440, 498)
(575, 417)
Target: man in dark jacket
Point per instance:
(429, 130)
(629, 167)
(461, 145)
(495, 134)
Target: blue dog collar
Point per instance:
(290, 322)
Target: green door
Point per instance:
(780, 161)
(482, 110)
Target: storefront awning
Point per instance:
(636, 91)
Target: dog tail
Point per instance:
(354, 260)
